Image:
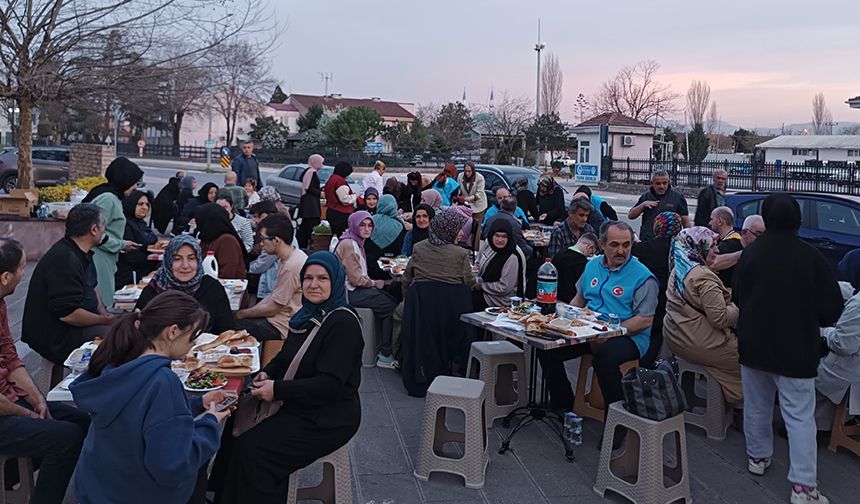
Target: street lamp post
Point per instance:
(539, 46)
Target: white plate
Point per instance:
(206, 389)
(493, 310)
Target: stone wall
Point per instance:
(89, 160)
(36, 236)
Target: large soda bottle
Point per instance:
(210, 265)
(547, 287)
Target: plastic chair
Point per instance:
(639, 473)
(494, 363)
(336, 485)
(590, 404)
(467, 395)
(22, 494)
(368, 331)
(717, 417)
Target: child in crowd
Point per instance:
(251, 192)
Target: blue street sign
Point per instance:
(373, 147)
(225, 151)
(587, 174)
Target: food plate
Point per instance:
(217, 378)
(495, 310)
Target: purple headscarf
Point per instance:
(352, 227)
(467, 227)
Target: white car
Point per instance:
(566, 161)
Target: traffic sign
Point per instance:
(209, 143)
(373, 147)
(225, 151)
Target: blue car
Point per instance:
(830, 223)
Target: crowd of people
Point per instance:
(724, 300)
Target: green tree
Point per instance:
(311, 119)
(278, 96)
(745, 140)
(548, 133)
(452, 125)
(270, 132)
(353, 127)
(406, 137)
(698, 144)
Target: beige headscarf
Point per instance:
(315, 162)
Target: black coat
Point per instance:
(785, 291)
(309, 206)
(570, 265)
(138, 231)
(373, 252)
(552, 205)
(706, 203)
(165, 208)
(432, 336)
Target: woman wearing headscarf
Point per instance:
(388, 230)
(122, 178)
(164, 208)
(472, 194)
(182, 270)
(468, 231)
(393, 187)
(501, 268)
(371, 201)
(321, 408)
(364, 292)
(550, 201)
(136, 207)
(410, 196)
(700, 312)
(431, 198)
(269, 193)
(447, 185)
(205, 194)
(309, 204)
(525, 198)
(187, 185)
(849, 269)
(421, 218)
(218, 235)
(339, 198)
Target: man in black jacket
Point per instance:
(570, 263)
(710, 198)
(785, 291)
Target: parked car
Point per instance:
(50, 167)
(829, 223)
(496, 176)
(417, 160)
(565, 161)
(288, 182)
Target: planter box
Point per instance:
(319, 242)
(36, 236)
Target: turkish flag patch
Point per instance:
(618, 291)
(594, 282)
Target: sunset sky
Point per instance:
(763, 59)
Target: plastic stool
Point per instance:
(590, 404)
(336, 485)
(369, 332)
(22, 494)
(494, 362)
(643, 475)
(843, 435)
(467, 395)
(716, 418)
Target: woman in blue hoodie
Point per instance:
(146, 442)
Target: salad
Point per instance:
(202, 380)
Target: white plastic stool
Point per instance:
(336, 485)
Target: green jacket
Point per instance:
(106, 255)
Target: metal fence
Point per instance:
(290, 156)
(811, 176)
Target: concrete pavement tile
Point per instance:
(376, 453)
(388, 489)
(369, 381)
(374, 410)
(505, 487)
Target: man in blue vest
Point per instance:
(616, 283)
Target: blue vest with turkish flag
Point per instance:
(608, 291)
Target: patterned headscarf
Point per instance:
(445, 227)
(269, 193)
(667, 225)
(546, 184)
(164, 279)
(467, 227)
(690, 249)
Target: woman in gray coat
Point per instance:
(839, 369)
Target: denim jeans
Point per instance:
(797, 405)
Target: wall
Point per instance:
(784, 155)
(89, 160)
(641, 148)
(36, 236)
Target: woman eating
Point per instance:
(182, 270)
(122, 178)
(321, 411)
(218, 235)
(550, 201)
(421, 218)
(148, 440)
(447, 185)
(700, 312)
(269, 193)
(364, 292)
(501, 268)
(339, 198)
(136, 207)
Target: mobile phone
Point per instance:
(226, 403)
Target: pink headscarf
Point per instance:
(467, 227)
(315, 162)
(431, 197)
(352, 228)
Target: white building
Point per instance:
(800, 148)
(854, 102)
(627, 138)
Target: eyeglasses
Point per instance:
(267, 238)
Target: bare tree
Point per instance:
(551, 85)
(504, 125)
(241, 89)
(713, 119)
(50, 49)
(636, 93)
(698, 97)
(822, 119)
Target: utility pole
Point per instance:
(539, 46)
(209, 134)
(326, 77)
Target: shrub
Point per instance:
(322, 229)
(89, 183)
(56, 194)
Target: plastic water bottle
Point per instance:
(573, 429)
(210, 265)
(547, 287)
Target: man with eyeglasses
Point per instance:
(269, 319)
(753, 228)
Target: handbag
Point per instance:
(654, 393)
(251, 411)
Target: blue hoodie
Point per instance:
(144, 444)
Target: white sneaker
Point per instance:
(757, 466)
(801, 494)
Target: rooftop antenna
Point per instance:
(326, 77)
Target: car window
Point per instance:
(287, 173)
(41, 154)
(299, 173)
(749, 208)
(61, 155)
(492, 182)
(837, 218)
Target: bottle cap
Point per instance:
(210, 253)
(548, 259)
